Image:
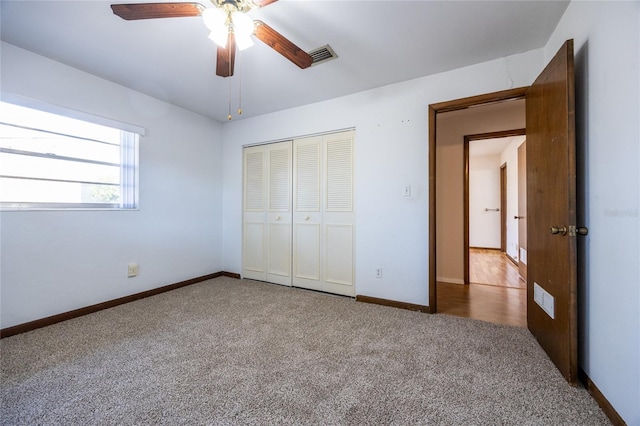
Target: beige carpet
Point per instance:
(227, 351)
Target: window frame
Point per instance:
(128, 165)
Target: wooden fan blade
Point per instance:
(262, 3)
(156, 10)
(226, 58)
(282, 45)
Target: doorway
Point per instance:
(446, 291)
(552, 230)
(492, 194)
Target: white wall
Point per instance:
(484, 193)
(607, 51)
(510, 157)
(57, 261)
(391, 151)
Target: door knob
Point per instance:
(558, 230)
(306, 218)
(578, 230)
(277, 217)
(582, 230)
(518, 217)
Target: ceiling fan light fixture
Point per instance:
(242, 29)
(243, 42)
(216, 21)
(242, 24)
(230, 28)
(220, 36)
(214, 18)
(222, 22)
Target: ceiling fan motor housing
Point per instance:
(234, 5)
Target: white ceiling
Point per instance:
(378, 43)
(492, 147)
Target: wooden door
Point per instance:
(551, 201)
(522, 210)
(503, 208)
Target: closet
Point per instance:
(298, 213)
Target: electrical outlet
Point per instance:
(132, 270)
(378, 272)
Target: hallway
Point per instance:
(496, 293)
(493, 267)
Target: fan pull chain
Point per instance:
(229, 97)
(229, 80)
(239, 82)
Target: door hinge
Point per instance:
(579, 230)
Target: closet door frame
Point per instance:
(321, 219)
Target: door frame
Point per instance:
(522, 210)
(465, 204)
(434, 110)
(503, 207)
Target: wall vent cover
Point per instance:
(322, 54)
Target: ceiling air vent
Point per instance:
(322, 54)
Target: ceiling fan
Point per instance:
(229, 25)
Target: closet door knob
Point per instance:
(277, 217)
(306, 218)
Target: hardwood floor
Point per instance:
(493, 267)
(496, 293)
(500, 305)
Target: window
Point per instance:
(50, 161)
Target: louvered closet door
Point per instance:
(279, 213)
(323, 250)
(254, 258)
(307, 215)
(267, 213)
(338, 215)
